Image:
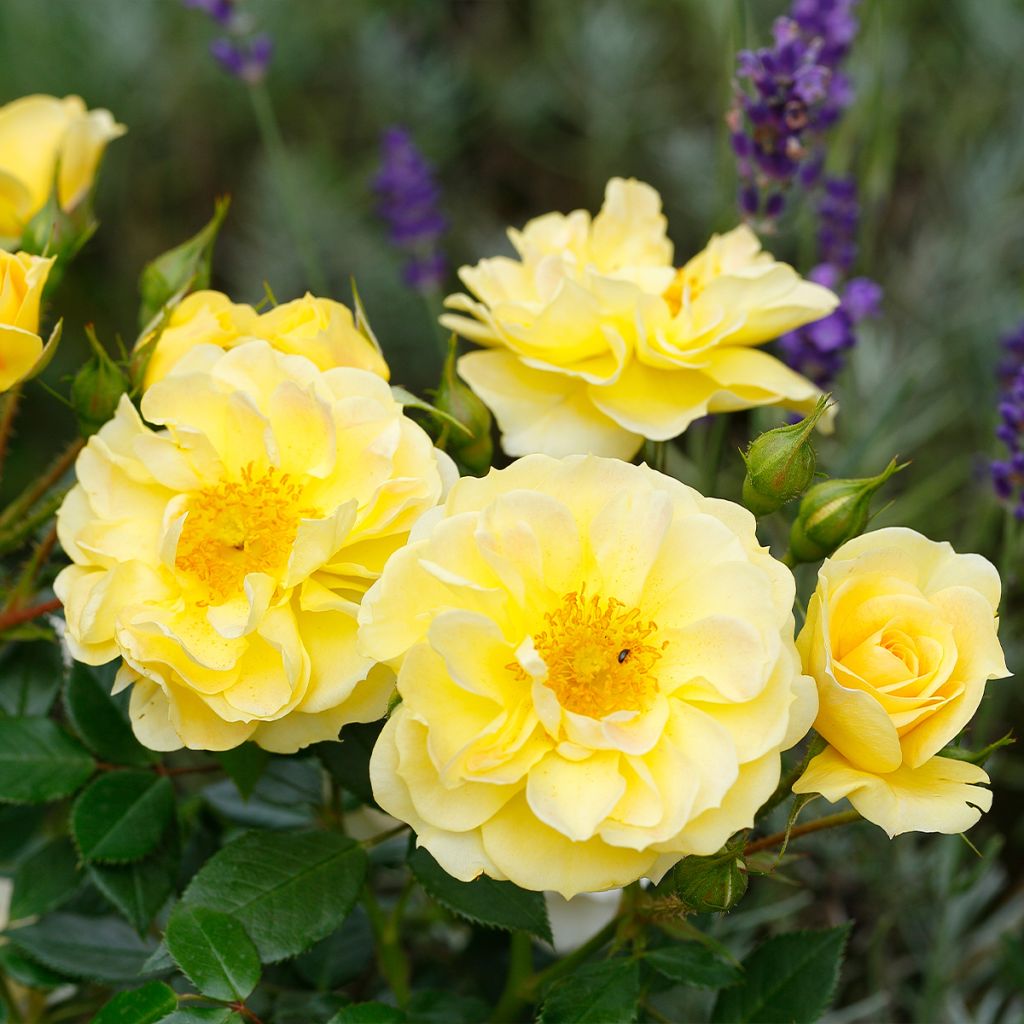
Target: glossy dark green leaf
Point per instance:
(483, 901)
(139, 890)
(244, 764)
(30, 676)
(45, 878)
(18, 829)
(102, 949)
(789, 979)
(100, 719)
(338, 959)
(146, 1005)
(39, 762)
(442, 1006)
(28, 972)
(288, 890)
(690, 963)
(121, 816)
(287, 795)
(605, 992)
(213, 951)
(369, 1013)
(204, 1015)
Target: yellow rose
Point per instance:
(901, 637)
(22, 278)
(35, 133)
(597, 672)
(224, 557)
(320, 329)
(596, 341)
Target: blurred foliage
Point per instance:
(527, 106)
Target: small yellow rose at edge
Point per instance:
(22, 279)
(901, 638)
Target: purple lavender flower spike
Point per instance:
(408, 198)
(786, 98)
(222, 11)
(1008, 472)
(228, 55)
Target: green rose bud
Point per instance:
(97, 388)
(780, 463)
(832, 513)
(471, 449)
(54, 232)
(183, 269)
(704, 885)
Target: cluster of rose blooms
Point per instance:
(588, 668)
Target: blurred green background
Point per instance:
(526, 106)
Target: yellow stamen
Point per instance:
(685, 287)
(598, 656)
(240, 526)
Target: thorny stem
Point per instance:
(18, 616)
(520, 966)
(383, 837)
(244, 1010)
(59, 467)
(7, 421)
(511, 1007)
(391, 958)
(26, 581)
(778, 838)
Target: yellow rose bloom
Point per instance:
(322, 330)
(225, 556)
(35, 133)
(901, 637)
(22, 279)
(595, 340)
(597, 673)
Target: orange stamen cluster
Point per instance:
(237, 527)
(598, 656)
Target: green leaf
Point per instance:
(244, 764)
(204, 1015)
(442, 1006)
(483, 901)
(288, 890)
(18, 828)
(139, 890)
(368, 1013)
(145, 1005)
(349, 761)
(344, 954)
(27, 972)
(39, 762)
(122, 815)
(606, 992)
(45, 879)
(690, 963)
(101, 949)
(30, 675)
(213, 951)
(100, 719)
(789, 979)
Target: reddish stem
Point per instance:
(17, 616)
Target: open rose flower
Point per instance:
(224, 557)
(322, 330)
(597, 675)
(38, 134)
(901, 637)
(595, 340)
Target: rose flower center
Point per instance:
(598, 656)
(237, 527)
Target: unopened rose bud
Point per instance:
(705, 885)
(97, 388)
(472, 450)
(780, 463)
(183, 269)
(834, 512)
